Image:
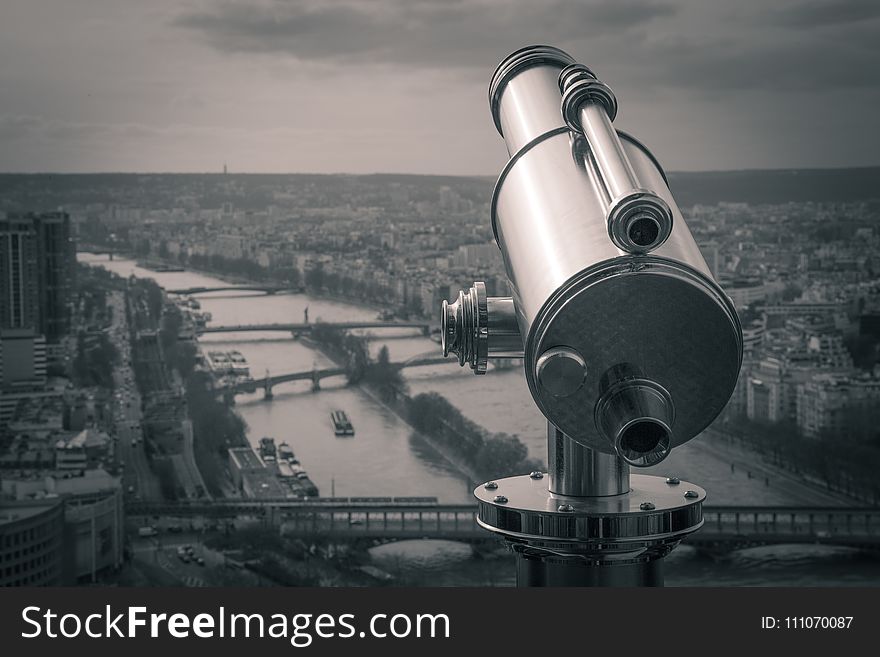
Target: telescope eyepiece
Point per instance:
(635, 416)
(476, 327)
(464, 328)
(644, 442)
(639, 222)
(643, 230)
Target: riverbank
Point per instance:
(463, 468)
(235, 279)
(759, 466)
(460, 466)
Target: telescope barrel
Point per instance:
(531, 94)
(630, 347)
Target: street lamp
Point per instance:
(630, 348)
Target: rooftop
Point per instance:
(246, 458)
(20, 511)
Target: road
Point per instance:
(749, 464)
(138, 479)
(167, 553)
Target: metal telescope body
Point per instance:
(630, 348)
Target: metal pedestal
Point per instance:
(536, 571)
(589, 523)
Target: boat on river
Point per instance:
(341, 424)
(267, 449)
(285, 453)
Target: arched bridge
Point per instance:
(724, 526)
(313, 375)
(268, 289)
(744, 526)
(302, 327)
(269, 382)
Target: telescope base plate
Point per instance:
(585, 541)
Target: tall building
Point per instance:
(57, 267)
(19, 277)
(37, 266)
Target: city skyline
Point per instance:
(369, 87)
(251, 252)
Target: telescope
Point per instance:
(630, 348)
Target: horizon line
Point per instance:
(398, 173)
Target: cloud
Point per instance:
(772, 65)
(646, 44)
(824, 13)
(29, 128)
(423, 33)
(15, 127)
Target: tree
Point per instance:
(314, 277)
(501, 455)
(385, 377)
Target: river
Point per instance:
(386, 459)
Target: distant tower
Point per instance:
(224, 168)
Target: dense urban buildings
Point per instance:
(803, 274)
(89, 404)
(61, 511)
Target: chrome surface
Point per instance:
(475, 327)
(574, 286)
(524, 94)
(503, 329)
(579, 85)
(560, 371)
(635, 415)
(638, 220)
(610, 523)
(578, 471)
(464, 328)
(651, 312)
(630, 347)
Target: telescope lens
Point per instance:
(642, 437)
(643, 231)
(644, 443)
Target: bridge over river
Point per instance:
(396, 518)
(248, 287)
(302, 327)
(267, 383)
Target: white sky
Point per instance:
(400, 85)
